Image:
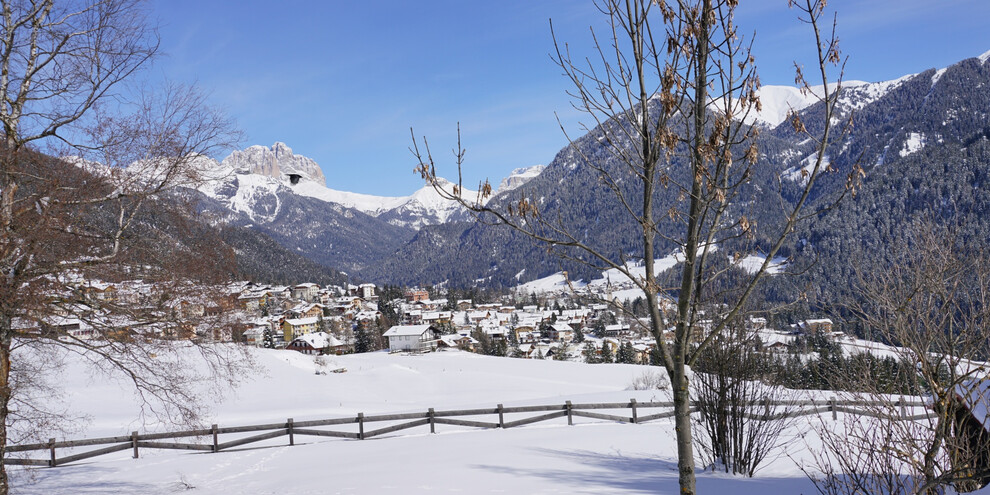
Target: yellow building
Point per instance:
(294, 327)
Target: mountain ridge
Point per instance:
(893, 122)
(396, 240)
(258, 171)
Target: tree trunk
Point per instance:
(5, 391)
(8, 188)
(682, 426)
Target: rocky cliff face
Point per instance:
(277, 161)
(518, 177)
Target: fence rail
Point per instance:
(208, 439)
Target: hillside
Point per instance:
(903, 133)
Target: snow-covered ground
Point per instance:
(619, 286)
(802, 173)
(611, 280)
(600, 458)
(914, 142)
(550, 457)
(753, 262)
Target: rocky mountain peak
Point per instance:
(276, 161)
(519, 177)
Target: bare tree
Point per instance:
(105, 216)
(931, 302)
(742, 418)
(668, 91)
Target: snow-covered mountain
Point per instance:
(277, 161)
(249, 182)
(919, 139)
(778, 101)
(284, 195)
(518, 177)
(423, 207)
(898, 126)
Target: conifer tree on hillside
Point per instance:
(606, 354)
(363, 340)
(590, 353)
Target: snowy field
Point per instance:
(549, 457)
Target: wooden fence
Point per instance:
(360, 427)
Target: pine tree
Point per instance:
(269, 341)
(599, 327)
(499, 348)
(606, 353)
(591, 353)
(627, 354)
(656, 357)
(363, 341)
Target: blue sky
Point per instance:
(343, 81)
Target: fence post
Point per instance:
(501, 416)
(134, 439)
(632, 403)
(51, 445)
(360, 419)
(433, 428)
(292, 436)
(766, 409)
(570, 414)
(216, 443)
(832, 406)
(903, 405)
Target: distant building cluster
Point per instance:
(319, 320)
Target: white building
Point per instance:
(366, 291)
(412, 338)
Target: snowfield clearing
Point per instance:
(551, 457)
(537, 459)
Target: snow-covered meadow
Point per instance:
(550, 457)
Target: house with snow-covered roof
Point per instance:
(457, 341)
(294, 327)
(558, 332)
(972, 425)
(366, 291)
(616, 330)
(496, 333)
(306, 310)
(307, 292)
(252, 300)
(417, 338)
(416, 294)
(818, 325)
(437, 317)
(316, 343)
(413, 316)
